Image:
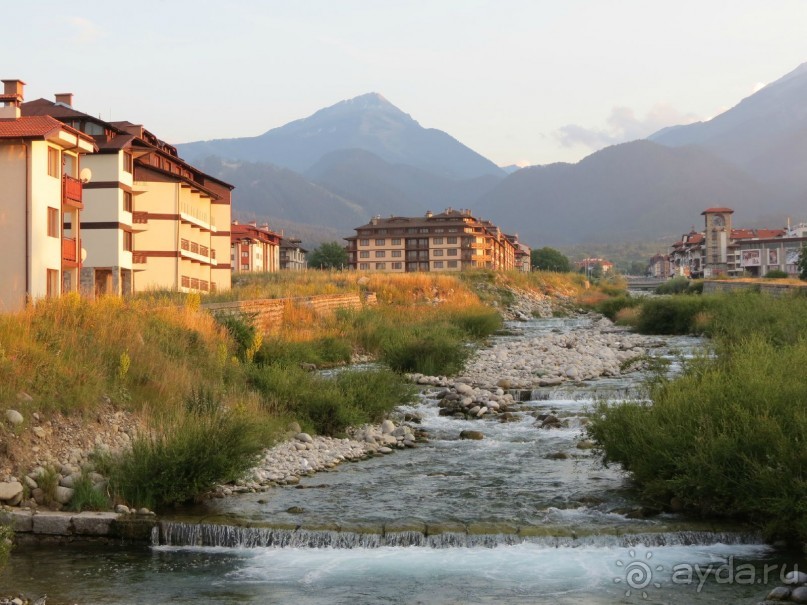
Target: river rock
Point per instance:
(385, 450)
(780, 593)
(63, 495)
(585, 444)
(474, 435)
(304, 438)
(10, 490)
(294, 428)
(14, 417)
(387, 427)
(799, 595)
(795, 578)
(39, 432)
(558, 456)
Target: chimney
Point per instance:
(429, 214)
(11, 99)
(235, 222)
(65, 98)
(253, 223)
(265, 226)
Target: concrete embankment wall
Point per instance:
(268, 312)
(711, 287)
(60, 526)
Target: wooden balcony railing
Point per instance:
(72, 192)
(70, 250)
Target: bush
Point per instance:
(86, 497)
(431, 350)
(185, 457)
(679, 285)
(726, 439)
(776, 274)
(672, 315)
(610, 307)
(323, 352)
(329, 406)
(477, 324)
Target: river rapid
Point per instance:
(522, 516)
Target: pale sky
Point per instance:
(519, 81)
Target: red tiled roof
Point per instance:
(36, 126)
(718, 209)
(764, 233)
(742, 233)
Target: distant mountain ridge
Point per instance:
(361, 157)
(367, 122)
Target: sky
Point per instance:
(520, 81)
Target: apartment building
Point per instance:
(292, 255)
(721, 249)
(253, 248)
(41, 199)
(453, 240)
(152, 221)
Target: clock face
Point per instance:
(718, 221)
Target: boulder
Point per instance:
(780, 593)
(14, 417)
(474, 435)
(799, 595)
(10, 490)
(63, 495)
(795, 578)
(304, 437)
(558, 456)
(387, 427)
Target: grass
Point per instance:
(86, 497)
(726, 439)
(6, 544)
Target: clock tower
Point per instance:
(717, 234)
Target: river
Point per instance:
(523, 516)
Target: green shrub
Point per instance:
(677, 285)
(244, 332)
(86, 497)
(185, 457)
(672, 315)
(477, 324)
(611, 306)
(323, 352)
(776, 274)
(329, 405)
(433, 350)
(726, 439)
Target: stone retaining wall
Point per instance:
(773, 289)
(52, 525)
(268, 312)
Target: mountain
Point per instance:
(266, 191)
(633, 191)
(368, 122)
(765, 134)
(383, 188)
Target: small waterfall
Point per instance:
(171, 533)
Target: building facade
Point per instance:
(152, 221)
(41, 199)
(453, 240)
(292, 255)
(253, 248)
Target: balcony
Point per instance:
(72, 192)
(70, 252)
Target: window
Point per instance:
(53, 223)
(364, 242)
(451, 252)
(245, 254)
(127, 201)
(127, 241)
(380, 266)
(437, 252)
(451, 240)
(364, 266)
(382, 232)
(438, 264)
(397, 265)
(439, 230)
(380, 242)
(452, 230)
(437, 240)
(396, 254)
(396, 242)
(364, 254)
(54, 162)
(127, 162)
(379, 254)
(53, 283)
(423, 230)
(452, 264)
(244, 267)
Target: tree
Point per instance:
(803, 263)
(637, 267)
(549, 259)
(330, 255)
